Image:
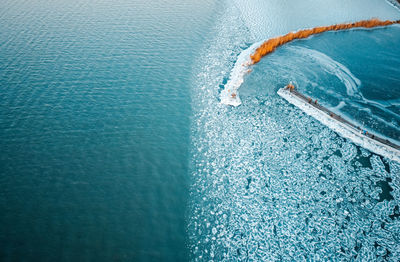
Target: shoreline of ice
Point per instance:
(236, 77)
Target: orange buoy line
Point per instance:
(270, 45)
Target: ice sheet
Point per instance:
(270, 183)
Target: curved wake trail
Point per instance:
(229, 95)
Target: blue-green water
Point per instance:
(94, 128)
(114, 146)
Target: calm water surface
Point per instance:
(94, 127)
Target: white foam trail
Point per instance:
(341, 128)
(240, 69)
(333, 67)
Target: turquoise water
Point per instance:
(94, 128)
(114, 146)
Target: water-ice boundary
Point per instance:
(341, 128)
(236, 78)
